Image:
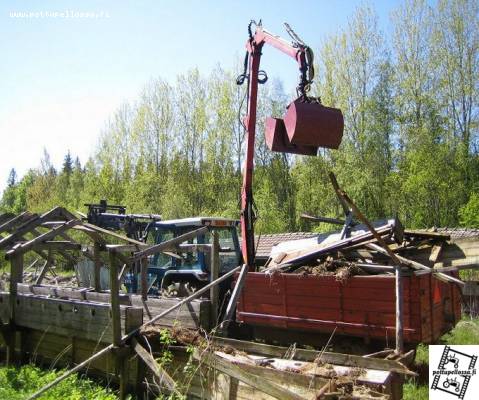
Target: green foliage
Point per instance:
(415, 391)
(465, 332)
(19, 383)
(166, 340)
(469, 212)
(409, 146)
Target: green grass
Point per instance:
(18, 383)
(465, 332)
(414, 391)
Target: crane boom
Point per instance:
(303, 55)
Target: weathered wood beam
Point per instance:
(58, 245)
(96, 267)
(129, 248)
(436, 252)
(348, 360)
(44, 269)
(53, 291)
(44, 237)
(187, 247)
(21, 218)
(426, 234)
(111, 233)
(169, 244)
(35, 262)
(416, 265)
(64, 254)
(85, 250)
(121, 370)
(165, 379)
(6, 217)
(28, 226)
(237, 372)
(214, 273)
(144, 278)
(114, 299)
(16, 276)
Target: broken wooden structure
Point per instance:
(102, 332)
(383, 283)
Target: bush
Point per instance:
(19, 383)
(469, 213)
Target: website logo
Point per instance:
(452, 372)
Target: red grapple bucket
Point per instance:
(277, 139)
(313, 124)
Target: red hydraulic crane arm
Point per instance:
(304, 56)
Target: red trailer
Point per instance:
(362, 306)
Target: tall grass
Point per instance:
(465, 332)
(19, 383)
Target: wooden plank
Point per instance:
(426, 234)
(169, 244)
(283, 371)
(311, 355)
(16, 276)
(70, 293)
(110, 233)
(6, 217)
(214, 273)
(70, 317)
(416, 265)
(144, 278)
(115, 302)
(237, 372)
(399, 311)
(126, 248)
(6, 226)
(436, 252)
(58, 245)
(96, 266)
(133, 318)
(192, 316)
(299, 257)
(45, 268)
(63, 253)
(165, 379)
(43, 237)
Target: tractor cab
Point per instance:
(183, 273)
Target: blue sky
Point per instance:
(61, 76)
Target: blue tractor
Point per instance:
(173, 274)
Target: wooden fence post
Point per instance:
(44, 270)
(16, 276)
(214, 271)
(120, 367)
(399, 311)
(144, 278)
(96, 267)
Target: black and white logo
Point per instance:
(452, 372)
